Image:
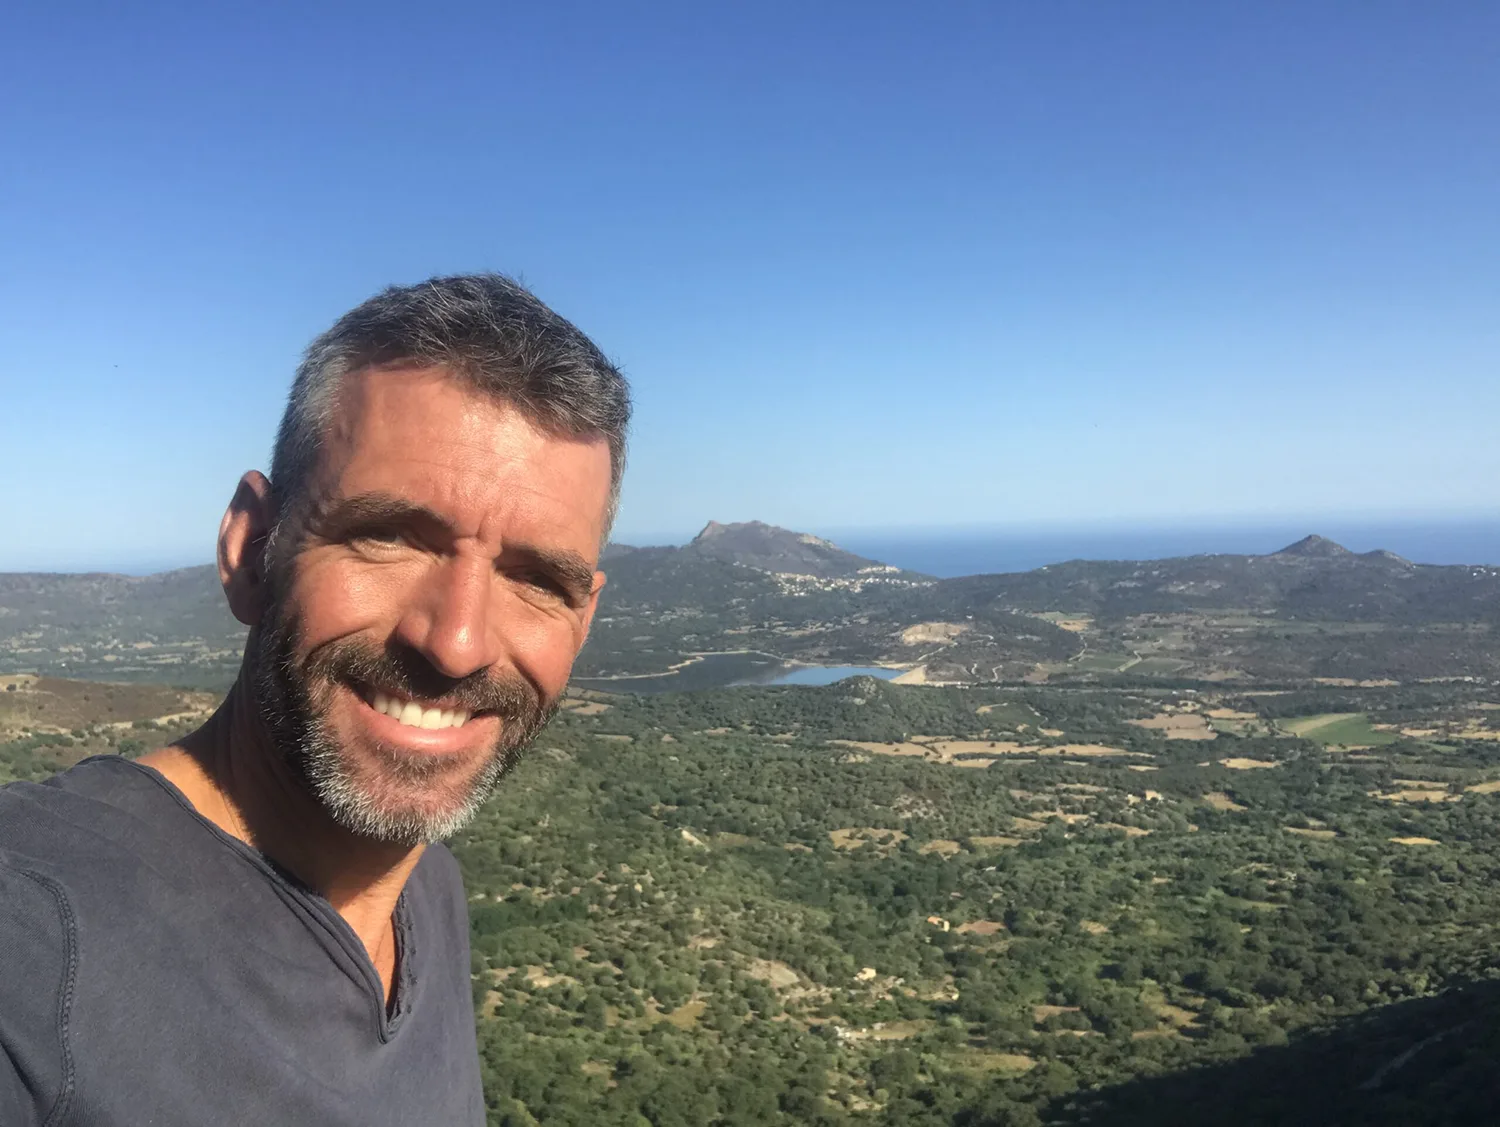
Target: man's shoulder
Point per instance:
(79, 838)
(99, 778)
(437, 877)
(38, 832)
(38, 936)
(435, 894)
(439, 865)
(104, 811)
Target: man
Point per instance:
(256, 925)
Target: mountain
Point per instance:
(1315, 547)
(1321, 548)
(1311, 579)
(768, 548)
(1313, 609)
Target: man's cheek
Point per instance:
(340, 600)
(545, 649)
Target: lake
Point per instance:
(823, 674)
(717, 671)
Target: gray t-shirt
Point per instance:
(154, 970)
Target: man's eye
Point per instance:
(543, 583)
(380, 536)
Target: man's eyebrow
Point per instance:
(341, 517)
(569, 568)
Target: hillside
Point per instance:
(1313, 579)
(1312, 610)
(896, 906)
(171, 627)
(874, 905)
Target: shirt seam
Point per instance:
(69, 922)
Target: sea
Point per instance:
(983, 551)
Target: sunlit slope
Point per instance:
(889, 905)
(898, 906)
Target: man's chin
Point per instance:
(391, 794)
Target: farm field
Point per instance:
(1342, 729)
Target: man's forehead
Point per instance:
(383, 403)
(425, 430)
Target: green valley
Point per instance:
(1213, 839)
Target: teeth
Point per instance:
(413, 715)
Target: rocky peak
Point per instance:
(714, 529)
(769, 548)
(1315, 547)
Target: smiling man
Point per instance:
(256, 925)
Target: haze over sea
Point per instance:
(979, 550)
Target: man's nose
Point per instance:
(449, 622)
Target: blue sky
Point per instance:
(868, 265)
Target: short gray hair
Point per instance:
(490, 333)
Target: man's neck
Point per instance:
(232, 776)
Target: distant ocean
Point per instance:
(980, 551)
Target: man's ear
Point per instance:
(242, 541)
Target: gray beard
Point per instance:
(378, 802)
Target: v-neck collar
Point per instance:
(387, 1016)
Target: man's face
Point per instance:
(425, 625)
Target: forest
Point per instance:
(1126, 903)
(733, 907)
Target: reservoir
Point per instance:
(717, 671)
(823, 674)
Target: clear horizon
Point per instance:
(868, 266)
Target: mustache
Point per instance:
(406, 673)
